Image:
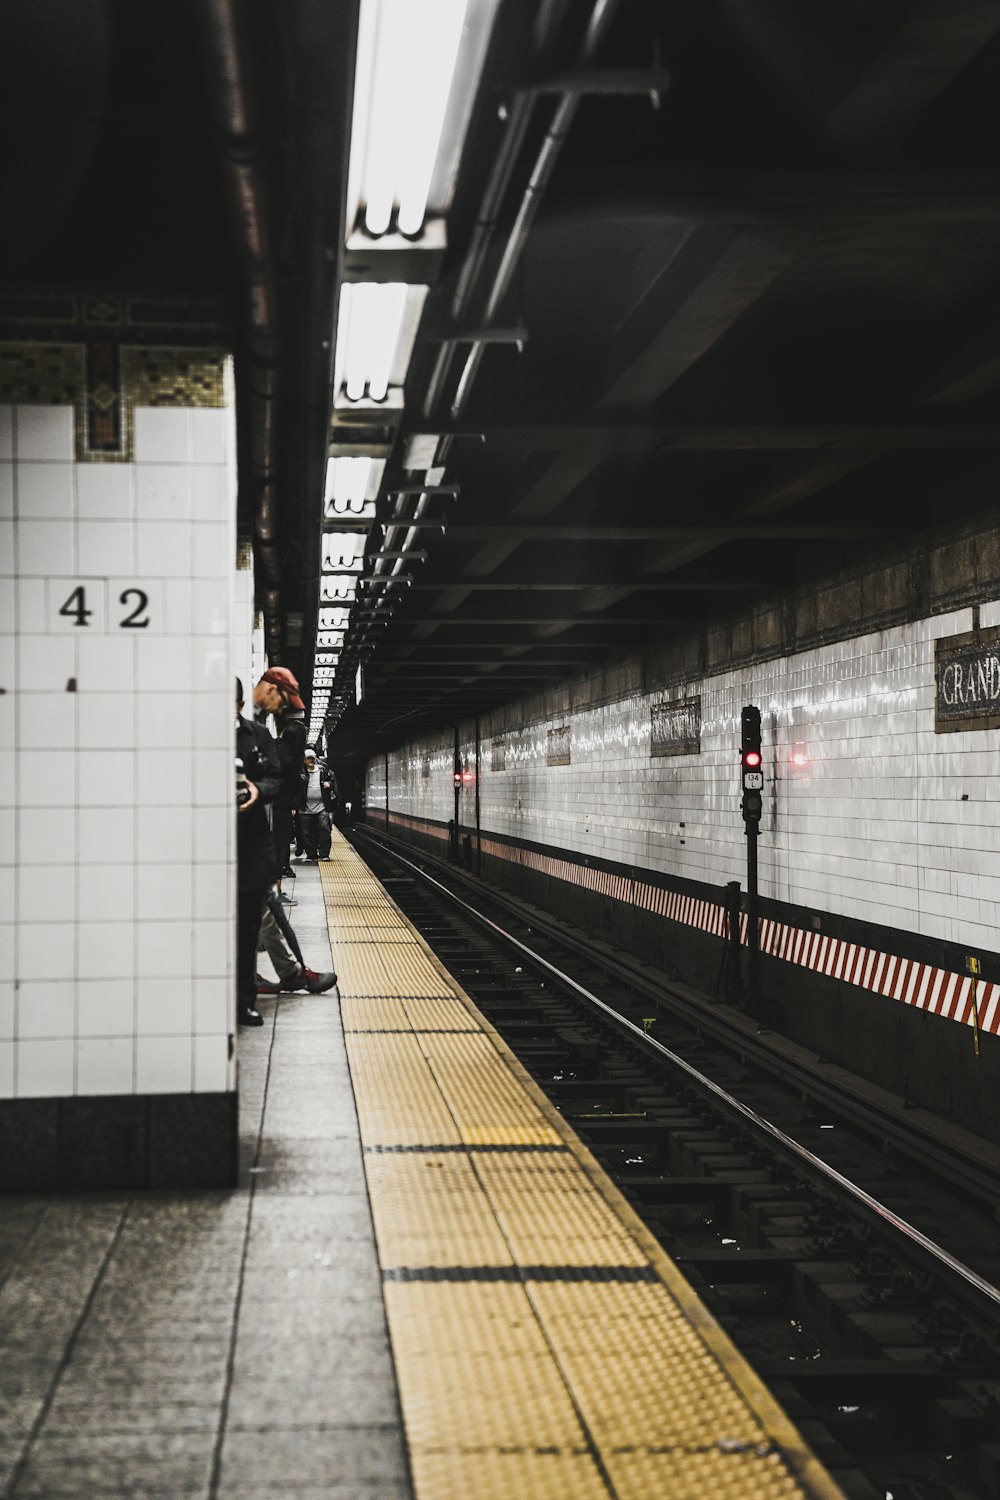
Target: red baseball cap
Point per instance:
(283, 679)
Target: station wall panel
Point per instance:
(116, 727)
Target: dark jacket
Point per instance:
(255, 852)
(328, 791)
(290, 764)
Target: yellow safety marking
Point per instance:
(438, 1013)
(399, 1104)
(358, 909)
(430, 1210)
(488, 1103)
(487, 1412)
(551, 1214)
(621, 1345)
(404, 1013)
(509, 1474)
(353, 923)
(390, 935)
(555, 1386)
(367, 969)
(373, 1013)
(345, 936)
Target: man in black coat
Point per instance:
(255, 853)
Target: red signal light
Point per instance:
(751, 758)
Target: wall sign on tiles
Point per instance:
(967, 681)
(104, 606)
(557, 747)
(675, 728)
(498, 754)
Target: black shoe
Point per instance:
(247, 1016)
(288, 873)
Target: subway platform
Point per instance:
(423, 1286)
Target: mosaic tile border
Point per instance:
(104, 381)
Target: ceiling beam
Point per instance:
(544, 586)
(628, 437)
(935, 42)
(714, 534)
(772, 198)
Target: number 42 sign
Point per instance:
(99, 606)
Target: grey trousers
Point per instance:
(272, 942)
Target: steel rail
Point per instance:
(791, 1147)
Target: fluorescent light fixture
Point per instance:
(352, 486)
(359, 686)
(406, 57)
(339, 589)
(343, 551)
(375, 333)
(341, 618)
(371, 319)
(327, 658)
(327, 619)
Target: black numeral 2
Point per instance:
(132, 621)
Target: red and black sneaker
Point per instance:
(267, 986)
(316, 984)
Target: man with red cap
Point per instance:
(278, 689)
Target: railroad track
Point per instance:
(849, 1246)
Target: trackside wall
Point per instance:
(879, 849)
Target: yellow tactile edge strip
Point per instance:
(689, 1452)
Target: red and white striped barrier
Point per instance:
(942, 992)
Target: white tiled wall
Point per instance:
(116, 751)
(872, 826)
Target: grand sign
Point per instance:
(967, 681)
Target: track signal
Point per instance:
(751, 763)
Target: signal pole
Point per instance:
(752, 781)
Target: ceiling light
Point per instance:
(352, 485)
(340, 619)
(343, 551)
(338, 589)
(406, 57)
(326, 619)
(371, 317)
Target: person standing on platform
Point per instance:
(314, 814)
(277, 691)
(255, 852)
(290, 743)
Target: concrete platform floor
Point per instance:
(208, 1343)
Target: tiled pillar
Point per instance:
(116, 788)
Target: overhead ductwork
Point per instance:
(231, 98)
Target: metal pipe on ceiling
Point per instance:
(518, 119)
(230, 95)
(402, 537)
(600, 19)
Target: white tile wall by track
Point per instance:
(116, 826)
(884, 820)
